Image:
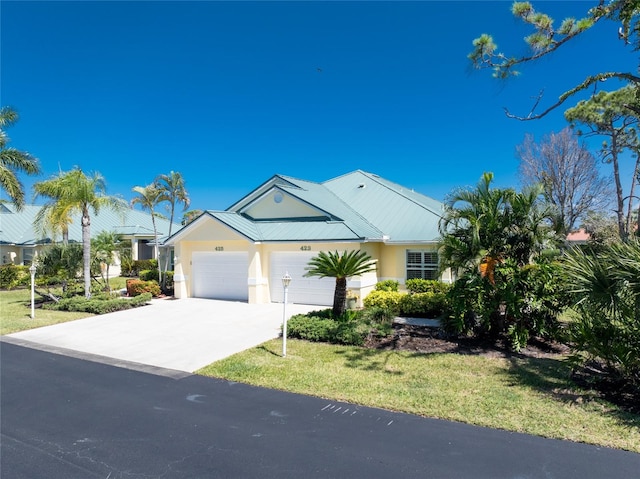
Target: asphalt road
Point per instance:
(64, 417)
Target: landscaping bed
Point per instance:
(430, 340)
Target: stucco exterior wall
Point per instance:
(390, 260)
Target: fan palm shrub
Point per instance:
(340, 266)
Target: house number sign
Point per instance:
(305, 248)
(219, 248)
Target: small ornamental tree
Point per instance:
(340, 267)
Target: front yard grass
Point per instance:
(15, 313)
(15, 310)
(527, 395)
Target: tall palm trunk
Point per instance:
(155, 246)
(86, 251)
(167, 254)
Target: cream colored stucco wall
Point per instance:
(393, 259)
(287, 208)
(390, 259)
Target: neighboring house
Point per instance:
(20, 243)
(579, 236)
(243, 252)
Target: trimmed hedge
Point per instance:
(427, 305)
(136, 287)
(98, 305)
(12, 275)
(348, 331)
(389, 300)
(387, 285)
(149, 275)
(418, 285)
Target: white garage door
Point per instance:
(220, 275)
(302, 290)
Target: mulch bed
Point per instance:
(428, 340)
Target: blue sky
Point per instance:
(231, 93)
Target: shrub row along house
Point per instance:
(20, 242)
(243, 252)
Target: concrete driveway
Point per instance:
(183, 335)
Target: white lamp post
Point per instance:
(32, 270)
(286, 281)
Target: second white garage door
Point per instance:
(302, 290)
(220, 275)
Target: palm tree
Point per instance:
(605, 288)
(172, 190)
(473, 226)
(12, 160)
(189, 216)
(71, 192)
(148, 198)
(55, 218)
(340, 267)
(105, 245)
(484, 226)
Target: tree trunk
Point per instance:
(86, 251)
(340, 298)
(636, 170)
(619, 198)
(155, 246)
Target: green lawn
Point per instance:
(532, 396)
(15, 310)
(15, 313)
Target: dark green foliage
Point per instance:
(524, 301)
(388, 300)
(379, 319)
(424, 305)
(133, 268)
(418, 285)
(387, 285)
(340, 266)
(149, 275)
(605, 288)
(101, 304)
(61, 261)
(318, 326)
(10, 276)
(311, 328)
(378, 315)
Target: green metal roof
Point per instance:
(16, 227)
(358, 206)
(401, 213)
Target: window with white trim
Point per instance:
(422, 264)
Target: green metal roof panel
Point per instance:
(285, 230)
(16, 227)
(322, 197)
(306, 231)
(402, 214)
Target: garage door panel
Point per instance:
(303, 290)
(220, 275)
